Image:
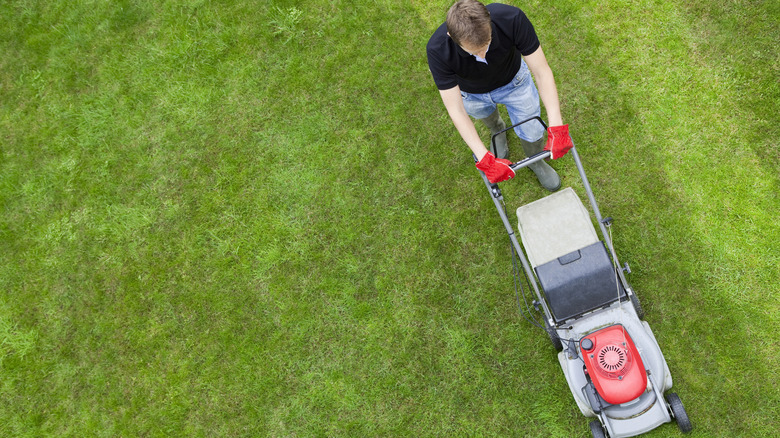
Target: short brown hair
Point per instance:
(468, 22)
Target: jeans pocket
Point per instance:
(521, 76)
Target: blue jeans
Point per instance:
(520, 98)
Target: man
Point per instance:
(484, 55)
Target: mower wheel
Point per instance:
(678, 411)
(640, 312)
(597, 430)
(556, 341)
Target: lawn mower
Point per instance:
(609, 356)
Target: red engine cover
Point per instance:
(614, 364)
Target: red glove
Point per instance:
(496, 169)
(558, 141)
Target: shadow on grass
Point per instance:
(665, 167)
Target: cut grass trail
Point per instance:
(224, 218)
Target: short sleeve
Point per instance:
(524, 34)
(443, 76)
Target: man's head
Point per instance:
(468, 24)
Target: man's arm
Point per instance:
(558, 139)
(545, 82)
(460, 118)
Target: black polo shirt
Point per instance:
(513, 37)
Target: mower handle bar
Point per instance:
(528, 160)
(497, 198)
(543, 155)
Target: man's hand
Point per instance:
(558, 141)
(496, 169)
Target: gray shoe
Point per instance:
(496, 124)
(546, 175)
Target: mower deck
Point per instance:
(585, 295)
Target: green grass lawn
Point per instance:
(236, 218)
